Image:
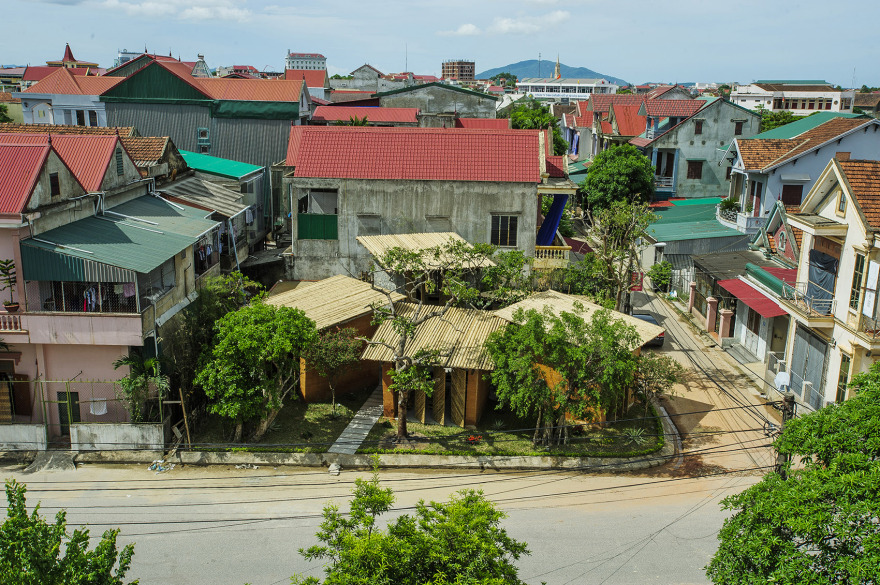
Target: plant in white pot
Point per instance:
(7, 281)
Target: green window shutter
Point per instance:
(317, 227)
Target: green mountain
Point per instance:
(531, 68)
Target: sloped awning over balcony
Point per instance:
(752, 297)
(136, 237)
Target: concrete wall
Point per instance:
(373, 207)
(114, 437)
(434, 99)
(23, 437)
(41, 108)
(719, 121)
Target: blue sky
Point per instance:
(637, 40)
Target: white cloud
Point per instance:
(195, 10)
(528, 24)
(465, 30)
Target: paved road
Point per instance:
(224, 525)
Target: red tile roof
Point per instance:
(752, 297)
(602, 102)
(863, 177)
(578, 246)
(63, 82)
(483, 123)
(376, 115)
(87, 156)
(313, 77)
(673, 108)
(258, 90)
(145, 150)
(658, 91)
(427, 154)
(629, 123)
(20, 166)
(786, 275)
(319, 101)
(41, 71)
(637, 141)
(6, 98)
(606, 128)
(556, 166)
(13, 128)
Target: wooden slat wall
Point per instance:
(420, 405)
(439, 397)
(459, 390)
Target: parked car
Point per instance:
(657, 341)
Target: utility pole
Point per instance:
(782, 459)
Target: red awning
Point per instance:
(761, 303)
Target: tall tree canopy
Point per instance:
(820, 525)
(547, 366)
(459, 542)
(333, 353)
(533, 115)
(771, 120)
(31, 549)
(255, 364)
(621, 173)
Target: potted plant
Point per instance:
(7, 281)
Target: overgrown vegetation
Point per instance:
(620, 175)
(661, 274)
(136, 386)
(533, 115)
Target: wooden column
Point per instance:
(420, 405)
(439, 397)
(458, 395)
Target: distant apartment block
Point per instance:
(801, 97)
(305, 61)
(459, 70)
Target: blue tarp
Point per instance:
(551, 221)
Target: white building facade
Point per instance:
(564, 90)
(800, 98)
(305, 61)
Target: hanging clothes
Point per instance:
(128, 289)
(248, 216)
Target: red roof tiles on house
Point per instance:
(483, 123)
(20, 166)
(42, 71)
(87, 156)
(426, 154)
(863, 177)
(628, 121)
(376, 115)
(63, 82)
(13, 128)
(673, 108)
(259, 90)
(602, 102)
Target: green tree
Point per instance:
(771, 120)
(334, 352)
(451, 270)
(4, 114)
(31, 549)
(592, 365)
(661, 274)
(457, 542)
(187, 340)
(533, 115)
(615, 232)
(506, 79)
(819, 526)
(621, 173)
(255, 364)
(656, 375)
(134, 388)
(353, 121)
(505, 282)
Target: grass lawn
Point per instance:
(299, 428)
(502, 433)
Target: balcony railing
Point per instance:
(10, 323)
(728, 215)
(803, 296)
(551, 257)
(663, 182)
(79, 297)
(869, 327)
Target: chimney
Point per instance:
(841, 155)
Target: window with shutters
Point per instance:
(317, 217)
(120, 168)
(792, 194)
(695, 169)
(54, 185)
(93, 118)
(698, 126)
(843, 377)
(858, 275)
(504, 230)
(753, 322)
(737, 128)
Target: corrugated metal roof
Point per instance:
(379, 245)
(168, 217)
(87, 156)
(461, 333)
(559, 303)
(333, 300)
(260, 90)
(20, 167)
(798, 127)
(207, 194)
(127, 244)
(426, 154)
(218, 166)
(63, 82)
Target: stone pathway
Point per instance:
(359, 427)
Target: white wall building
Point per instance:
(305, 61)
(801, 98)
(564, 89)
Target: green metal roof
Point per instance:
(60, 254)
(798, 127)
(691, 219)
(221, 167)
